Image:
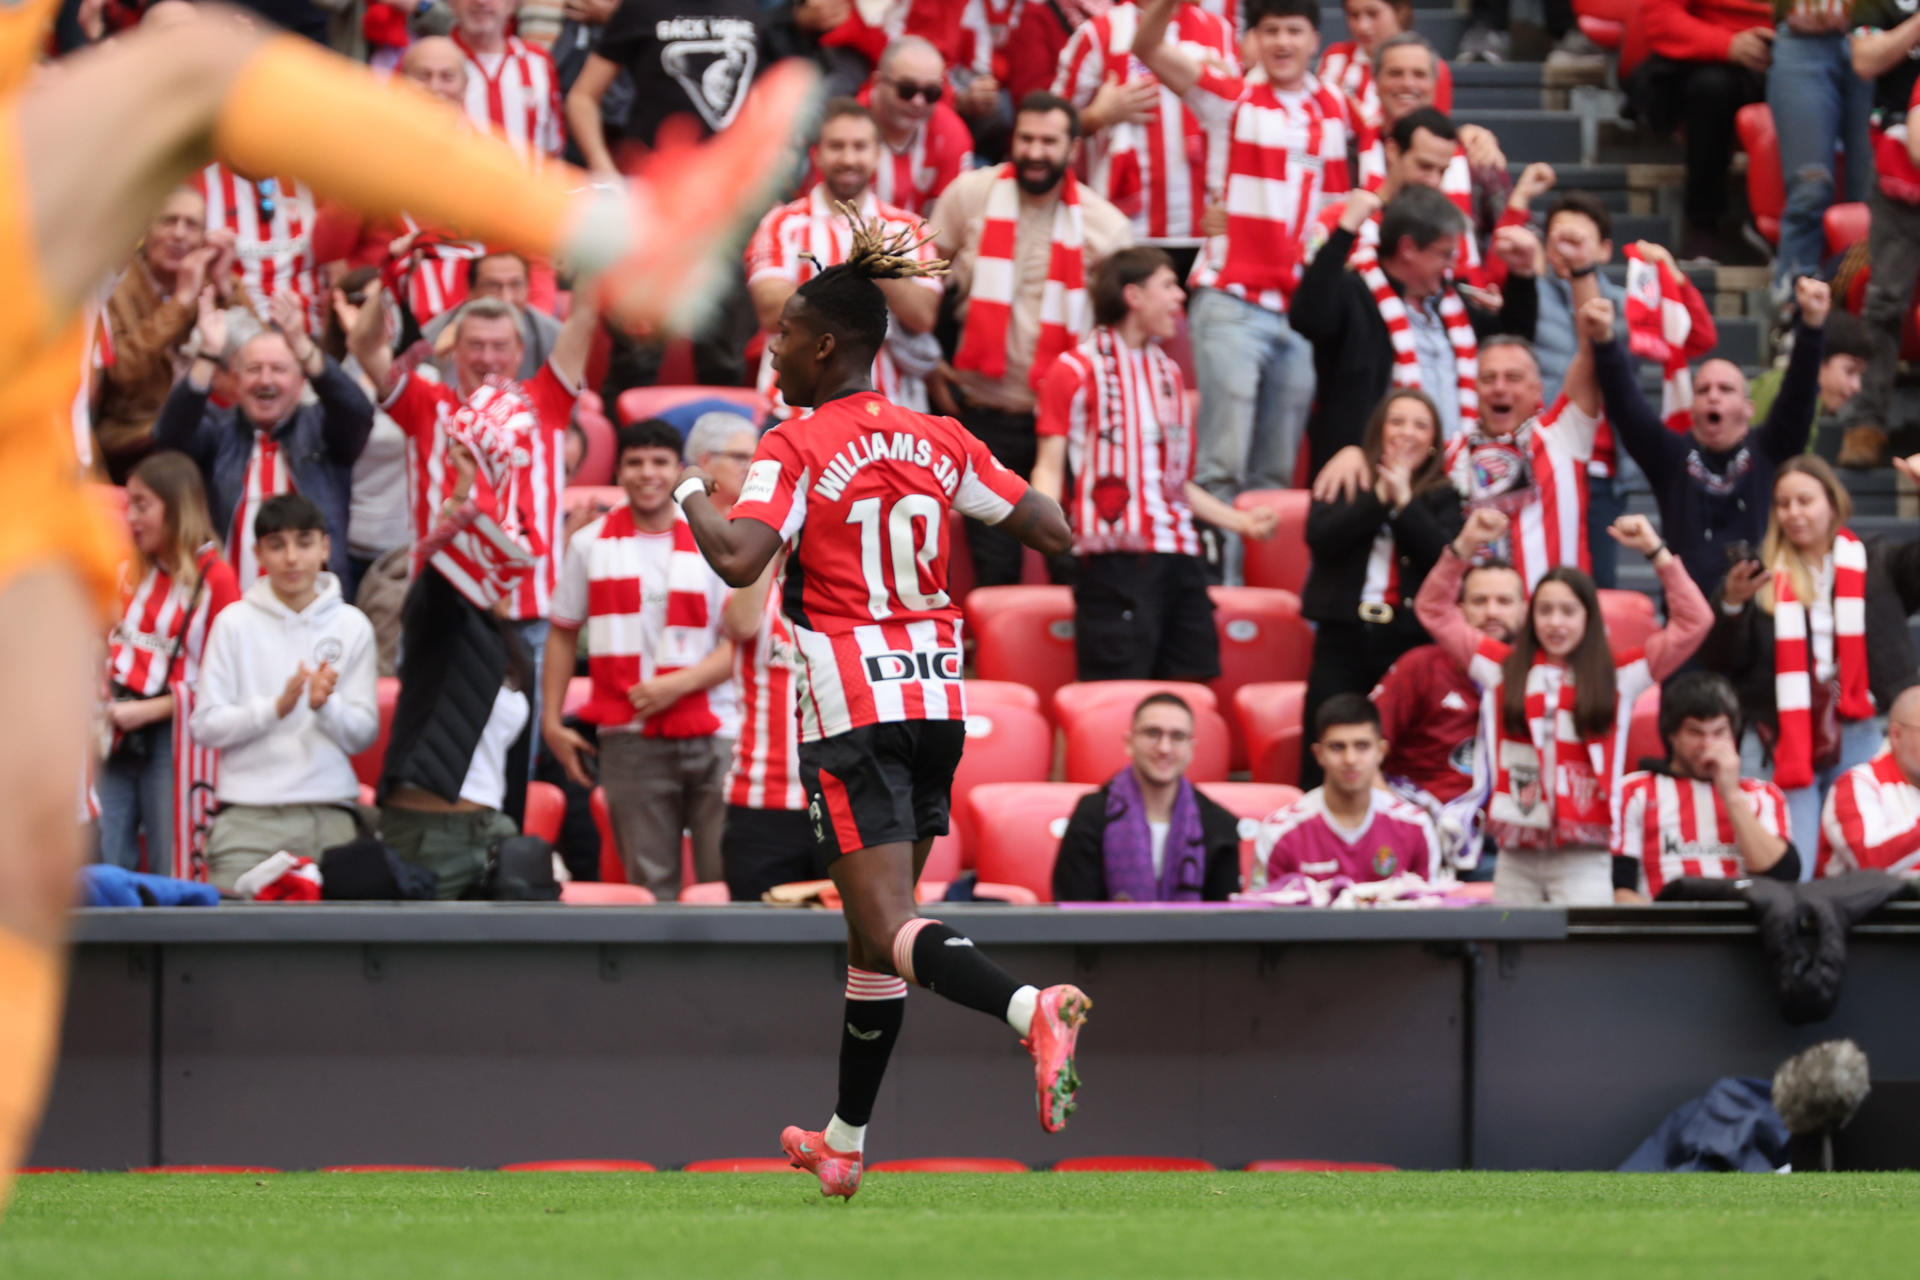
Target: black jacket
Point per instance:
(1340, 538)
(1080, 872)
(1352, 355)
(1740, 647)
(1708, 500)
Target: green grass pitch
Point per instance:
(910, 1226)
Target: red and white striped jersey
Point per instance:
(272, 224)
(516, 93)
(796, 241)
(913, 177)
(1537, 476)
(269, 474)
(154, 639)
(437, 277)
(420, 408)
(861, 490)
(1675, 827)
(1871, 821)
(766, 755)
(1276, 159)
(1130, 445)
(651, 605)
(492, 542)
(1156, 172)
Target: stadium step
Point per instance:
(1442, 27)
(1528, 86)
(1552, 136)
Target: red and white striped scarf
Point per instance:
(1571, 808)
(1382, 583)
(1129, 495)
(268, 476)
(1063, 303)
(1793, 659)
(1658, 325)
(1406, 361)
(492, 543)
(1534, 477)
(196, 772)
(616, 599)
(1347, 68)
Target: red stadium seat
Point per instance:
(1249, 802)
(1318, 1166)
(1095, 719)
(579, 693)
(589, 893)
(1629, 618)
(1766, 187)
(1643, 732)
(579, 1166)
(1847, 225)
(613, 869)
(1018, 826)
(392, 1168)
(1134, 1164)
(1024, 635)
(1280, 561)
(1004, 744)
(366, 765)
(744, 1164)
(546, 810)
(650, 402)
(943, 1164)
(1262, 637)
(1270, 715)
(1604, 21)
(1003, 693)
(707, 893)
(204, 1168)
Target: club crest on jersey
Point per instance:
(903, 664)
(1385, 862)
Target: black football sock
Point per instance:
(875, 1007)
(946, 962)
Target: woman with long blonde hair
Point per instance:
(177, 584)
(1813, 632)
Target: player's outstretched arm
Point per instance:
(1039, 523)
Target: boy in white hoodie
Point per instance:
(287, 697)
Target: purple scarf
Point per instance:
(1127, 847)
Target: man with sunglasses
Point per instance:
(927, 143)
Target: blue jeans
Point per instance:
(533, 633)
(1819, 105)
(1860, 741)
(136, 796)
(1255, 377)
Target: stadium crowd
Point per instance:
(1200, 253)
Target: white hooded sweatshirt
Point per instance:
(305, 756)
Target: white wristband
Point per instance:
(692, 484)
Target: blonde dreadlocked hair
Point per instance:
(845, 298)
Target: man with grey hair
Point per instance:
(722, 445)
(1406, 77)
(924, 142)
(502, 275)
(268, 442)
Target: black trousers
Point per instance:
(760, 848)
(1557, 14)
(1010, 437)
(1350, 657)
(1704, 97)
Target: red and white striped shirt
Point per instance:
(269, 474)
(1537, 476)
(272, 224)
(1675, 827)
(492, 543)
(861, 490)
(651, 605)
(1871, 821)
(1130, 445)
(154, 639)
(1350, 71)
(420, 408)
(766, 756)
(1278, 158)
(516, 93)
(797, 241)
(1156, 172)
(913, 176)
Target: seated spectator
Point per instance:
(722, 444)
(1114, 415)
(797, 241)
(663, 697)
(1149, 835)
(1145, 151)
(1697, 816)
(287, 697)
(178, 586)
(1848, 349)
(1370, 553)
(1351, 825)
(151, 312)
(1712, 484)
(1871, 820)
(1696, 63)
(1560, 703)
(457, 755)
(1348, 65)
(925, 143)
(1812, 628)
(1367, 338)
(502, 276)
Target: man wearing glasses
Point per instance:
(722, 444)
(927, 143)
(1872, 815)
(1149, 835)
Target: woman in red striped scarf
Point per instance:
(1813, 632)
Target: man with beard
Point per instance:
(1023, 238)
(798, 241)
(1714, 484)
